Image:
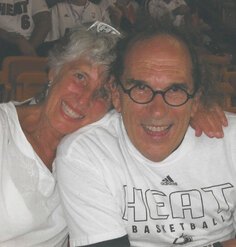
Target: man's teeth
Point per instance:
(70, 112)
(156, 128)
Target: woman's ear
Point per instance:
(51, 74)
(115, 94)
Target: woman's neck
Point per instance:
(42, 137)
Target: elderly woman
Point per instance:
(30, 211)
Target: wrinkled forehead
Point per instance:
(159, 45)
(158, 57)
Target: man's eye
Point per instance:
(175, 89)
(141, 87)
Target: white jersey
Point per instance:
(159, 8)
(67, 15)
(16, 15)
(104, 4)
(30, 212)
(109, 189)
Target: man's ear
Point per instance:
(115, 94)
(196, 103)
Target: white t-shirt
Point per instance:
(66, 15)
(104, 4)
(30, 211)
(16, 15)
(109, 189)
(159, 8)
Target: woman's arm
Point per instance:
(209, 121)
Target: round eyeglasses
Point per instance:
(144, 94)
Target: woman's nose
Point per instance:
(85, 100)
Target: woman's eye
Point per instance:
(79, 77)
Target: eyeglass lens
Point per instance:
(143, 94)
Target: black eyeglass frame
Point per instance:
(156, 92)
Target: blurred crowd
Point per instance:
(33, 27)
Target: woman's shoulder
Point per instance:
(93, 134)
(7, 110)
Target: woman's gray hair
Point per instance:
(81, 41)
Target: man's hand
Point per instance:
(210, 121)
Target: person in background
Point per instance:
(139, 176)
(123, 14)
(79, 68)
(70, 13)
(174, 11)
(24, 26)
(51, 3)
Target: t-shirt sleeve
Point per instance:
(230, 133)
(91, 210)
(39, 6)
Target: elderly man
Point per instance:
(140, 176)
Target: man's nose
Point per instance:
(158, 106)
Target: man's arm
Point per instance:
(43, 25)
(19, 41)
(7, 36)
